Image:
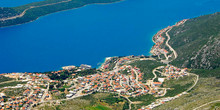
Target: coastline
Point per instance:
(62, 11)
(99, 64)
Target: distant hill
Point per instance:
(7, 12)
(197, 43)
(32, 11)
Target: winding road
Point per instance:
(168, 45)
(155, 70)
(197, 79)
(175, 56)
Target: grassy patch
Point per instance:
(11, 84)
(176, 89)
(206, 90)
(14, 92)
(98, 107)
(207, 73)
(178, 85)
(112, 63)
(59, 96)
(112, 99)
(75, 104)
(145, 99)
(96, 101)
(3, 79)
(215, 106)
(147, 67)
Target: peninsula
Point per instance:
(32, 11)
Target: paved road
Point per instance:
(175, 56)
(155, 70)
(197, 79)
(46, 92)
(130, 102)
(167, 43)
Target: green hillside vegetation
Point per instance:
(197, 42)
(178, 85)
(96, 101)
(67, 74)
(146, 67)
(212, 106)
(76, 104)
(61, 76)
(3, 79)
(41, 9)
(206, 90)
(7, 12)
(142, 101)
(14, 92)
(86, 72)
(98, 107)
(207, 73)
(11, 84)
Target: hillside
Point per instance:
(7, 12)
(207, 90)
(197, 42)
(32, 11)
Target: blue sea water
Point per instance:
(87, 35)
(14, 3)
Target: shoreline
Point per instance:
(61, 11)
(100, 63)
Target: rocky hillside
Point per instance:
(197, 42)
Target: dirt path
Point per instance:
(198, 108)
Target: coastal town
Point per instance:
(128, 85)
(116, 75)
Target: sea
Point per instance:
(15, 3)
(89, 34)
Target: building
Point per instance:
(2, 95)
(68, 67)
(84, 66)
